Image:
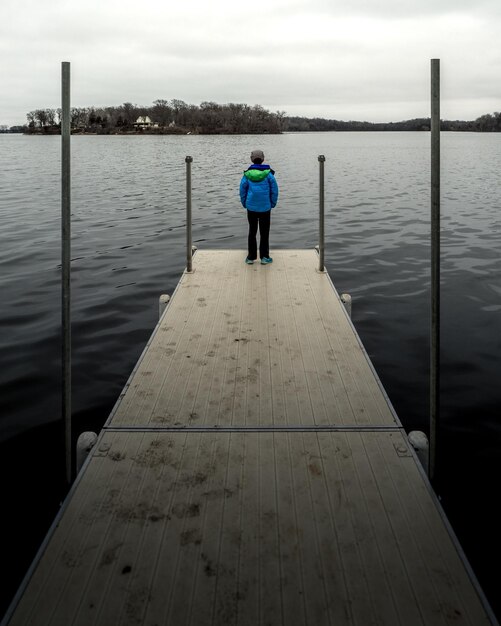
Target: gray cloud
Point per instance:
(396, 9)
(356, 60)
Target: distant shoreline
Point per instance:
(133, 133)
(175, 117)
(465, 127)
(41, 133)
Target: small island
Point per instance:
(176, 117)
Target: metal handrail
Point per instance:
(189, 247)
(321, 203)
(435, 265)
(66, 262)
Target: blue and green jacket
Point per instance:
(258, 188)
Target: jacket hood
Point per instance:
(257, 173)
(256, 176)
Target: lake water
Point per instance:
(128, 204)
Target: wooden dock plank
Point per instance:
(216, 494)
(383, 532)
(353, 503)
(292, 346)
(240, 528)
(288, 377)
(323, 384)
(420, 511)
(322, 317)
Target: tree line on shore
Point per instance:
(178, 117)
(485, 123)
(172, 117)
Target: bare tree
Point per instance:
(162, 112)
(51, 117)
(32, 119)
(179, 109)
(129, 113)
(41, 117)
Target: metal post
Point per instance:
(321, 242)
(435, 265)
(189, 250)
(65, 262)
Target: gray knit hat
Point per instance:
(257, 154)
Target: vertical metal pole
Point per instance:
(321, 242)
(435, 265)
(65, 262)
(189, 250)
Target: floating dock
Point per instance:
(252, 472)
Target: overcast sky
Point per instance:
(352, 60)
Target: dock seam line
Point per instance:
(236, 429)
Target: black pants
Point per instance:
(263, 221)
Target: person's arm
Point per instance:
(273, 190)
(244, 188)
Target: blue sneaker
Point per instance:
(249, 261)
(265, 260)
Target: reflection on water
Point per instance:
(128, 201)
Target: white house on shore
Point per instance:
(143, 121)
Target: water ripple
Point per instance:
(128, 239)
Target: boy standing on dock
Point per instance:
(258, 194)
